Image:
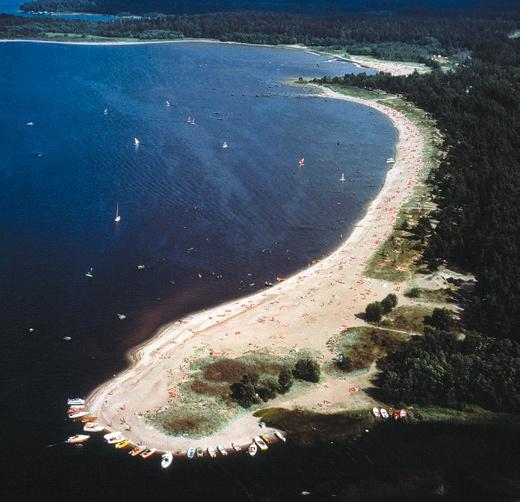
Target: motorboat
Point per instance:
(236, 447)
(266, 438)
(168, 104)
(117, 219)
(78, 439)
(376, 412)
(301, 162)
(75, 401)
(90, 273)
(390, 160)
(252, 449)
(211, 452)
(137, 451)
(93, 427)
(190, 453)
(166, 460)
(199, 452)
(148, 453)
(224, 145)
(403, 413)
(222, 450)
(342, 179)
(123, 444)
(384, 413)
(78, 414)
(261, 443)
(113, 437)
(136, 142)
(280, 436)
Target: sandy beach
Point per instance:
(302, 312)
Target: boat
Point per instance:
(93, 427)
(75, 401)
(117, 219)
(122, 317)
(190, 120)
(78, 414)
(141, 267)
(280, 436)
(168, 103)
(136, 142)
(190, 453)
(261, 443)
(105, 111)
(222, 450)
(266, 438)
(375, 411)
(384, 413)
(123, 444)
(137, 450)
(301, 162)
(224, 145)
(75, 408)
(236, 447)
(78, 439)
(211, 452)
(343, 177)
(30, 124)
(199, 452)
(88, 418)
(113, 437)
(252, 449)
(148, 453)
(390, 160)
(166, 460)
(403, 413)
(90, 273)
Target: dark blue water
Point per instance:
(238, 217)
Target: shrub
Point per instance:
(441, 319)
(244, 392)
(267, 389)
(374, 312)
(388, 303)
(308, 370)
(285, 380)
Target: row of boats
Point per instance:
(77, 410)
(383, 413)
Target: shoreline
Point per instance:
(144, 383)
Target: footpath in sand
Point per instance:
(304, 311)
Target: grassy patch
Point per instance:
(364, 345)
(306, 427)
(407, 318)
(443, 295)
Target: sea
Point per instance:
(200, 224)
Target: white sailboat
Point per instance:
(136, 142)
(105, 111)
(224, 145)
(343, 177)
(168, 103)
(117, 219)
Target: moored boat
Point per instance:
(199, 452)
(261, 443)
(403, 413)
(211, 452)
(71, 401)
(222, 450)
(384, 413)
(123, 444)
(280, 436)
(166, 460)
(252, 449)
(266, 438)
(78, 414)
(190, 453)
(236, 447)
(376, 412)
(390, 160)
(148, 453)
(78, 438)
(113, 437)
(93, 427)
(137, 450)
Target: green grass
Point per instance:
(364, 345)
(443, 295)
(407, 318)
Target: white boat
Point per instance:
(166, 460)
(252, 449)
(261, 443)
(190, 120)
(343, 177)
(93, 427)
(280, 436)
(79, 414)
(390, 160)
(190, 453)
(122, 317)
(301, 162)
(403, 413)
(222, 450)
(136, 142)
(113, 437)
(211, 452)
(90, 273)
(168, 103)
(384, 413)
(75, 401)
(141, 267)
(30, 124)
(375, 411)
(224, 145)
(78, 438)
(236, 447)
(117, 219)
(105, 111)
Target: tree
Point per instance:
(308, 370)
(441, 319)
(244, 392)
(267, 389)
(388, 303)
(285, 380)
(374, 312)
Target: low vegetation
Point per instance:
(376, 310)
(442, 295)
(409, 318)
